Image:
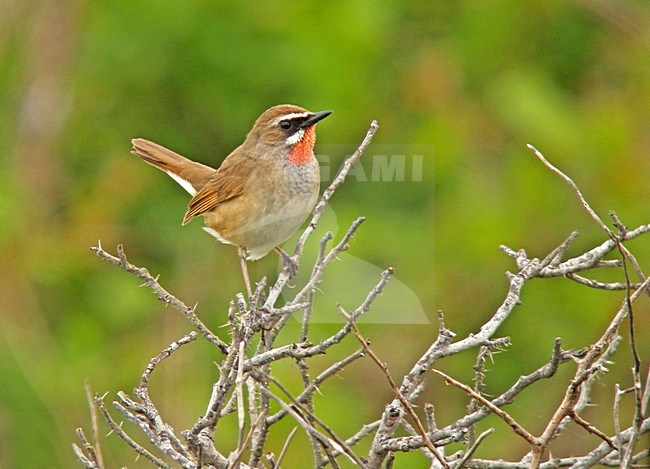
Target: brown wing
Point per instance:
(226, 184)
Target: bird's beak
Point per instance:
(315, 117)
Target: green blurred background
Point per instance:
(473, 81)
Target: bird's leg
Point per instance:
(244, 269)
(287, 262)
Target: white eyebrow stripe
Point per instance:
(291, 116)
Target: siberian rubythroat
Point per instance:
(263, 191)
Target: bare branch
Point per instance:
(600, 285)
(518, 429)
(327, 446)
(117, 429)
(255, 325)
(470, 451)
(186, 339)
(285, 447)
(162, 294)
(243, 445)
(592, 258)
(87, 455)
(575, 188)
(591, 429)
(407, 405)
(96, 449)
(306, 415)
(313, 385)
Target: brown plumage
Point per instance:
(263, 190)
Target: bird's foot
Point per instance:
(289, 264)
(244, 269)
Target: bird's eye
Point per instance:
(286, 125)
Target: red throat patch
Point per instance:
(303, 151)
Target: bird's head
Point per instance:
(289, 128)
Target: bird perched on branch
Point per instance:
(263, 191)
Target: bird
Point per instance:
(262, 192)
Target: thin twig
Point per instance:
(186, 339)
(587, 367)
(313, 385)
(575, 188)
(518, 429)
(407, 405)
(479, 385)
(306, 319)
(285, 447)
(616, 409)
(162, 294)
(363, 432)
(89, 458)
(117, 429)
(327, 445)
(244, 445)
(239, 390)
(309, 417)
(470, 451)
(592, 429)
(599, 285)
(94, 425)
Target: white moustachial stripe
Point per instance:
(296, 137)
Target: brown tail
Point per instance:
(192, 176)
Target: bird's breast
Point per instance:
(302, 179)
(303, 151)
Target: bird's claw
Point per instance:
(289, 263)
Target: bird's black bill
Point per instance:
(315, 117)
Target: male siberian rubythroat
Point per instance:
(263, 191)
